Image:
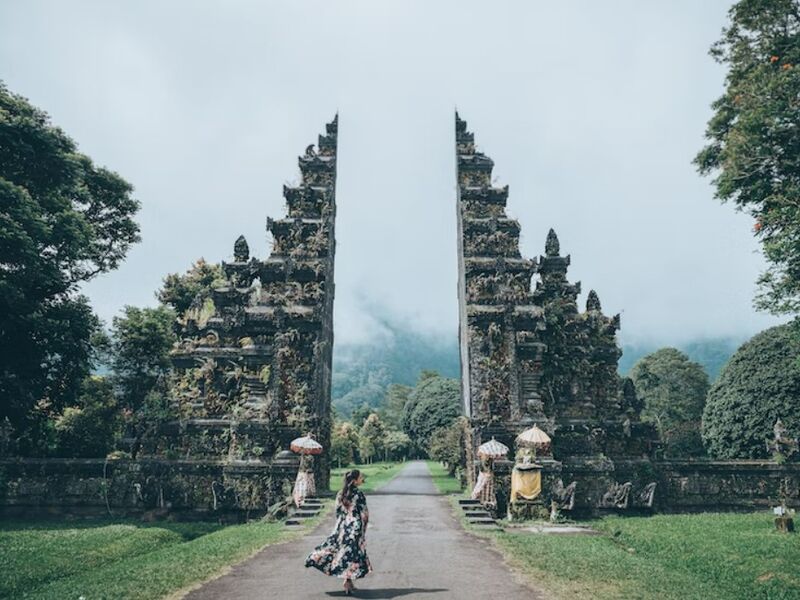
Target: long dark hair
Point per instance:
(348, 487)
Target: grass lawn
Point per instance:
(665, 556)
(376, 475)
(122, 560)
(446, 483)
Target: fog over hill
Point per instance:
(398, 353)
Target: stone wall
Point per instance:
(688, 486)
(229, 491)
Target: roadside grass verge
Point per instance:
(376, 475)
(123, 560)
(444, 482)
(664, 556)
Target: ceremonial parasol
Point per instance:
(306, 445)
(492, 449)
(533, 437)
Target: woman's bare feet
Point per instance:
(348, 587)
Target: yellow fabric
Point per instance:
(525, 485)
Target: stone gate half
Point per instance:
(531, 357)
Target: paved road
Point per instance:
(416, 547)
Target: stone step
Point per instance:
(291, 522)
(477, 513)
(468, 502)
(305, 514)
(482, 521)
(311, 506)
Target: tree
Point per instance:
(63, 221)
(447, 445)
(89, 429)
(754, 138)
(141, 341)
(396, 444)
(344, 443)
(394, 402)
(759, 385)
(372, 437)
(435, 403)
(180, 291)
(673, 389)
(360, 415)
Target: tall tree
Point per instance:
(62, 222)
(141, 341)
(372, 437)
(344, 443)
(754, 137)
(673, 389)
(394, 402)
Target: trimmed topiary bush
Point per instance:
(759, 385)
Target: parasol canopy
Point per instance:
(306, 445)
(533, 437)
(492, 449)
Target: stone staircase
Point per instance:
(311, 507)
(476, 514)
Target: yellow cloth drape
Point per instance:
(525, 485)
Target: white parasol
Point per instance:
(306, 445)
(533, 437)
(492, 449)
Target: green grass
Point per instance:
(445, 483)
(122, 560)
(376, 475)
(664, 556)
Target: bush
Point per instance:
(89, 430)
(759, 385)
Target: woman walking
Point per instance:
(344, 553)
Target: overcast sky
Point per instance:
(591, 110)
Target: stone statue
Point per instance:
(781, 445)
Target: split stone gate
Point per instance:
(252, 370)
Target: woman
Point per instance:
(344, 553)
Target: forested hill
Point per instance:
(361, 372)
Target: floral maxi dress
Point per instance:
(344, 552)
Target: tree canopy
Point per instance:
(754, 139)
(433, 404)
(673, 389)
(141, 341)
(63, 221)
(759, 385)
